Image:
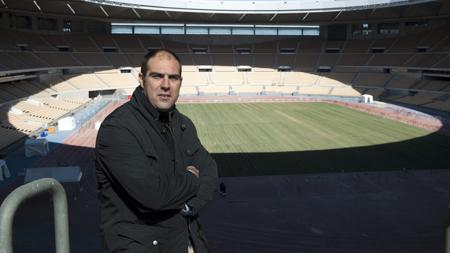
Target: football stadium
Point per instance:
(329, 120)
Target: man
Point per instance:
(153, 173)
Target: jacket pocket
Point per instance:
(191, 148)
(150, 152)
(139, 238)
(189, 153)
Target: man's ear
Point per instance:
(141, 79)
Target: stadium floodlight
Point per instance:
(71, 9)
(37, 5)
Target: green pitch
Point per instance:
(288, 138)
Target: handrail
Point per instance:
(447, 232)
(24, 192)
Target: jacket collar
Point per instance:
(140, 102)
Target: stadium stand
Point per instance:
(264, 62)
(357, 46)
(243, 59)
(443, 105)
(435, 85)
(188, 90)
(336, 79)
(227, 78)
(301, 58)
(223, 62)
(286, 60)
(328, 59)
(402, 81)
(118, 60)
(371, 79)
(247, 89)
(58, 59)
(390, 59)
(92, 59)
(263, 78)
(80, 43)
(269, 47)
(214, 90)
(315, 90)
(127, 45)
(226, 49)
(188, 63)
(195, 78)
(202, 59)
(29, 59)
(22, 118)
(280, 89)
(344, 91)
(47, 73)
(309, 45)
(300, 78)
(425, 60)
(86, 81)
(56, 83)
(354, 59)
(419, 98)
(306, 62)
(443, 64)
(117, 79)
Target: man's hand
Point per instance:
(193, 170)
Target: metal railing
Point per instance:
(24, 192)
(447, 232)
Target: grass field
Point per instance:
(280, 138)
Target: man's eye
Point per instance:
(156, 76)
(175, 77)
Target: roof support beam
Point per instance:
(104, 11)
(337, 15)
(136, 12)
(304, 17)
(4, 4)
(37, 5)
(273, 17)
(242, 16)
(71, 9)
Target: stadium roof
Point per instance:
(257, 6)
(242, 11)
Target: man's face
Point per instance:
(163, 81)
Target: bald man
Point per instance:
(153, 174)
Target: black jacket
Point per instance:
(143, 182)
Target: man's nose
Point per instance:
(166, 82)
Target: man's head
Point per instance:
(160, 78)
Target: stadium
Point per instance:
(329, 120)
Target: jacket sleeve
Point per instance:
(122, 159)
(208, 179)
